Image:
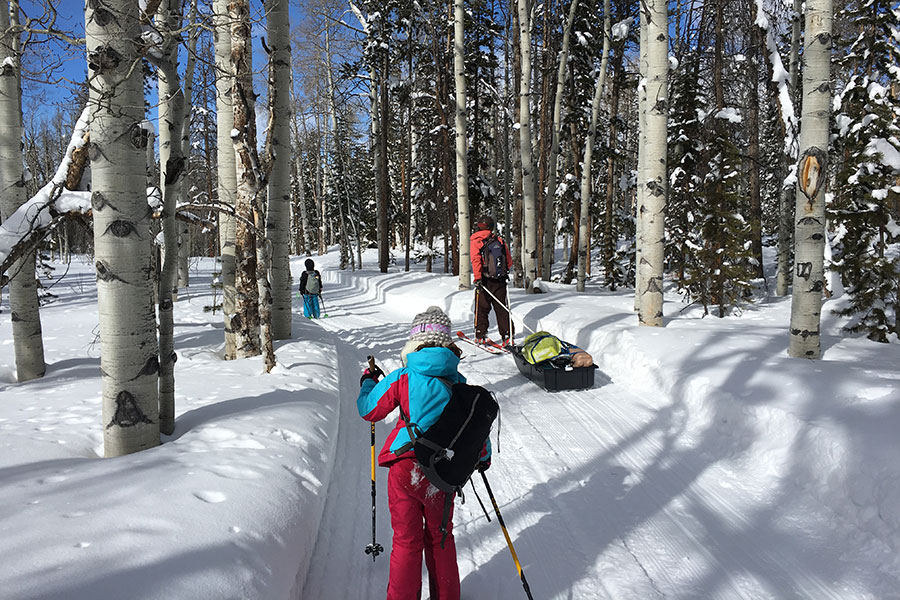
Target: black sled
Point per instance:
(555, 375)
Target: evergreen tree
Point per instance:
(686, 100)
(866, 187)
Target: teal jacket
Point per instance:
(419, 390)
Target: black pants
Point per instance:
(484, 302)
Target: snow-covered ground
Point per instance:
(703, 464)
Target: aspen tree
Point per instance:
(122, 245)
(642, 155)
(253, 319)
(786, 197)
(651, 210)
(23, 299)
(529, 204)
(462, 170)
(184, 230)
(279, 183)
(172, 171)
(227, 174)
(584, 216)
(809, 217)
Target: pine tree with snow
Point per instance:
(866, 242)
(685, 147)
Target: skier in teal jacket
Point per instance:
(428, 357)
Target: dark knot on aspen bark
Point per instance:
(103, 59)
(105, 274)
(128, 413)
(121, 228)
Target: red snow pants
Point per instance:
(417, 508)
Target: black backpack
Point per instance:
(449, 450)
(493, 256)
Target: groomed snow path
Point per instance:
(615, 492)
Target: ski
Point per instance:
(488, 346)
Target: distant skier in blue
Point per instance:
(311, 289)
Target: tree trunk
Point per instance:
(227, 176)
(786, 197)
(809, 219)
(172, 170)
(462, 164)
(529, 205)
(561, 76)
(609, 241)
(305, 246)
(184, 229)
(384, 253)
(642, 157)
(753, 186)
(651, 211)
(28, 341)
(583, 217)
(279, 188)
(122, 245)
(246, 319)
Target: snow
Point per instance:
(704, 463)
(780, 77)
(33, 212)
(730, 114)
(620, 30)
(890, 156)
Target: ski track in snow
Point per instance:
(603, 477)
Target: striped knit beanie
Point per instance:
(430, 328)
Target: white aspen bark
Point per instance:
(584, 217)
(227, 175)
(184, 230)
(529, 205)
(462, 161)
(809, 219)
(279, 184)
(28, 341)
(246, 319)
(331, 157)
(172, 170)
(642, 157)
(786, 196)
(651, 212)
(305, 244)
(128, 362)
(320, 190)
(561, 77)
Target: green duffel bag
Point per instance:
(541, 346)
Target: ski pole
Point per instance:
(374, 548)
(325, 312)
(506, 535)
(477, 497)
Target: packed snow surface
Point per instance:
(704, 463)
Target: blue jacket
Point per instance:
(418, 391)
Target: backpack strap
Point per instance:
(415, 434)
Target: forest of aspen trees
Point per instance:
(659, 146)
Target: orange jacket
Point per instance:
(475, 242)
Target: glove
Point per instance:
(373, 374)
(478, 285)
(483, 465)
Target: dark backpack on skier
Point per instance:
(313, 283)
(493, 257)
(450, 449)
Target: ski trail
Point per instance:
(603, 493)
